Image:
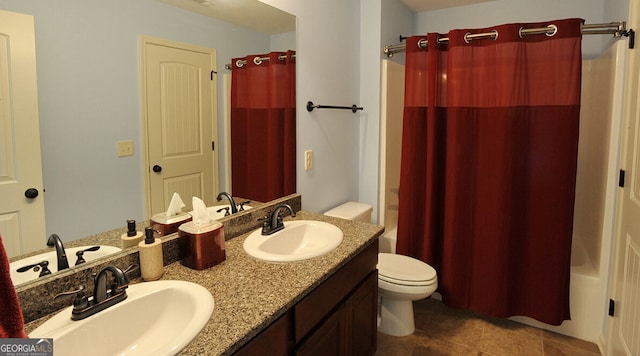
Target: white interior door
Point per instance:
(22, 223)
(179, 94)
(623, 330)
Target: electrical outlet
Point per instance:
(308, 160)
(125, 148)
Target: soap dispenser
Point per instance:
(151, 264)
(131, 237)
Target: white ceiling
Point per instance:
(428, 5)
(251, 14)
(263, 18)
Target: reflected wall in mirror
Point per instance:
(89, 99)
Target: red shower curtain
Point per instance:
(263, 127)
(489, 154)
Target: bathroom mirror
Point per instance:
(89, 96)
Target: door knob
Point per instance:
(31, 193)
(157, 168)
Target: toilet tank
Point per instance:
(352, 211)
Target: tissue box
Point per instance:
(202, 246)
(164, 225)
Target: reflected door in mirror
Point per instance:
(22, 224)
(181, 110)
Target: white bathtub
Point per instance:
(586, 298)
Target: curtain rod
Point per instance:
(617, 29)
(256, 60)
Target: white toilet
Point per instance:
(401, 279)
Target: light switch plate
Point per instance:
(125, 148)
(308, 160)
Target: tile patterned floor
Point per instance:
(441, 331)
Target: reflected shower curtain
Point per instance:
(263, 126)
(489, 155)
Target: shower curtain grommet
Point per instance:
(555, 30)
(466, 39)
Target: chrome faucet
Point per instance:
(54, 240)
(232, 203)
(105, 294)
(274, 222)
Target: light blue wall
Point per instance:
(89, 95)
(369, 120)
(327, 73)
(383, 21)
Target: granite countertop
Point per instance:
(249, 294)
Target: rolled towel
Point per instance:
(11, 320)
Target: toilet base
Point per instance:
(396, 317)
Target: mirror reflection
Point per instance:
(87, 55)
(263, 125)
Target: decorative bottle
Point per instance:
(131, 237)
(151, 264)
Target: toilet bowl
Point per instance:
(401, 279)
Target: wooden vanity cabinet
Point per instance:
(275, 340)
(339, 317)
(350, 329)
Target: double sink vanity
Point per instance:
(304, 304)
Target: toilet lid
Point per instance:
(399, 268)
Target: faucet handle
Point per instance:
(127, 271)
(42, 266)
(266, 223)
(242, 205)
(132, 267)
(80, 300)
(226, 209)
(80, 254)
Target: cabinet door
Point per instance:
(276, 340)
(328, 339)
(361, 317)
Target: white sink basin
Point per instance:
(22, 277)
(299, 240)
(157, 318)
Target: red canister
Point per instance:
(201, 246)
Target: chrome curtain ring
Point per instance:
(520, 32)
(495, 34)
(555, 30)
(257, 61)
(239, 63)
(466, 39)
